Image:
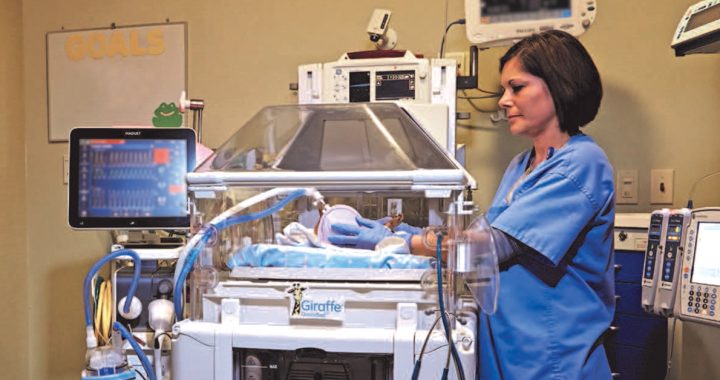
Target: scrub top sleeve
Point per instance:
(547, 216)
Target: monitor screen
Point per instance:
(494, 11)
(704, 17)
(130, 178)
(706, 265)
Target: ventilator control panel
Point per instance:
(700, 280)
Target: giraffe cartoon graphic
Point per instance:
(297, 295)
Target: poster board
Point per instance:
(129, 76)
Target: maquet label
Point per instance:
(306, 305)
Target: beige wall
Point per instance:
(659, 112)
(13, 257)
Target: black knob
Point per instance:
(164, 288)
(622, 236)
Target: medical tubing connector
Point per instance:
(90, 339)
(441, 305)
(226, 219)
(140, 353)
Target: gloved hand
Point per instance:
(402, 227)
(364, 236)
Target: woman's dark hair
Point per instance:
(562, 62)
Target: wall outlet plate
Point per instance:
(626, 187)
(661, 186)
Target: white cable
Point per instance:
(157, 353)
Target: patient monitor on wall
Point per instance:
(699, 29)
(504, 22)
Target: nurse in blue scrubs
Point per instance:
(552, 220)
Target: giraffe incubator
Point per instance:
(267, 297)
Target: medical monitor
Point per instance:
(130, 178)
(706, 267)
(700, 281)
(699, 29)
(504, 22)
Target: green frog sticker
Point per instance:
(167, 115)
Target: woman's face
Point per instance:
(527, 101)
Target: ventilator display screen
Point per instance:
(131, 180)
(494, 11)
(706, 263)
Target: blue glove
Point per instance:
(402, 227)
(364, 236)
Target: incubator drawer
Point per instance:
(628, 266)
(632, 363)
(637, 331)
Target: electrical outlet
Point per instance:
(661, 186)
(626, 187)
(461, 60)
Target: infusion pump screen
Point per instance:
(706, 267)
(132, 178)
(494, 11)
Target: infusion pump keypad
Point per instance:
(701, 301)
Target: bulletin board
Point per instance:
(119, 76)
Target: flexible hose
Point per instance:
(441, 304)
(226, 220)
(234, 210)
(180, 283)
(140, 353)
(93, 272)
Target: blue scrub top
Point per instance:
(553, 309)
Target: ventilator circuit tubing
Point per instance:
(225, 220)
(93, 272)
(443, 316)
(143, 358)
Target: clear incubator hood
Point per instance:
(373, 158)
(369, 147)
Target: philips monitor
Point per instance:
(503, 22)
(130, 178)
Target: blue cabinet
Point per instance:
(636, 344)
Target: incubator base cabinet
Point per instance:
(248, 332)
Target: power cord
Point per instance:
(692, 189)
(672, 346)
(460, 21)
(418, 363)
(103, 310)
